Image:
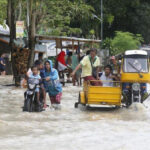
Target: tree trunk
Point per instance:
(11, 18)
(32, 18)
(9, 12)
(20, 10)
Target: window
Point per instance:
(135, 64)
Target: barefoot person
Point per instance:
(53, 86)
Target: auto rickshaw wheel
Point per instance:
(117, 107)
(127, 100)
(76, 105)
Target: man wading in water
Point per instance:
(89, 65)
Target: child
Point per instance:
(35, 75)
(41, 72)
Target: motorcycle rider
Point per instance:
(35, 75)
(41, 72)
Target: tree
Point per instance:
(3, 10)
(12, 26)
(122, 15)
(63, 17)
(31, 30)
(125, 41)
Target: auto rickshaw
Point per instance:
(134, 72)
(135, 75)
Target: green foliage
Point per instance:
(125, 41)
(110, 19)
(92, 32)
(3, 10)
(122, 15)
(57, 15)
(74, 17)
(107, 44)
(91, 45)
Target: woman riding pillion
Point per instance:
(53, 86)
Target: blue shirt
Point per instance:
(1, 65)
(35, 76)
(32, 76)
(42, 73)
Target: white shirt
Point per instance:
(106, 80)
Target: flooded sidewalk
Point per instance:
(69, 128)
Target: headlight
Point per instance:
(31, 86)
(135, 86)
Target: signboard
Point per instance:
(19, 29)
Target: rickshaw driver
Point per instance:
(86, 64)
(107, 77)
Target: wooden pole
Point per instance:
(78, 48)
(73, 46)
(61, 44)
(56, 51)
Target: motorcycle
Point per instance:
(31, 103)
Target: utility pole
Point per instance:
(101, 20)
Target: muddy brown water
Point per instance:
(69, 128)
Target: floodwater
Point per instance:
(70, 128)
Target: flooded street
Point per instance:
(70, 128)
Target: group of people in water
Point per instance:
(90, 70)
(49, 81)
(49, 76)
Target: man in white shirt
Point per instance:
(107, 77)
